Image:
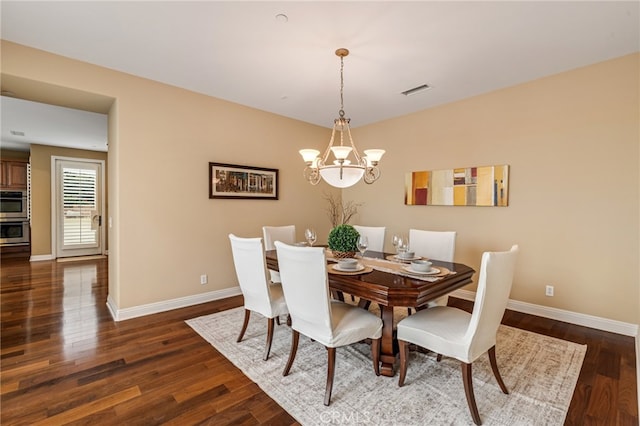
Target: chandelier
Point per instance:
(349, 166)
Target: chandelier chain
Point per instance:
(341, 112)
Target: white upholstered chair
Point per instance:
(271, 234)
(375, 235)
(455, 333)
(438, 245)
(314, 314)
(259, 295)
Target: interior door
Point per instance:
(78, 195)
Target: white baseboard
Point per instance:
(585, 320)
(40, 257)
(168, 305)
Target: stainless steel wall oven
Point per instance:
(14, 232)
(13, 205)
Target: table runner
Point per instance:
(396, 268)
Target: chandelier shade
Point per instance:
(342, 176)
(342, 172)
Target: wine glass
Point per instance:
(310, 235)
(402, 246)
(363, 243)
(396, 237)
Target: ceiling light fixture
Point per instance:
(342, 172)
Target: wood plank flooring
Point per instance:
(65, 361)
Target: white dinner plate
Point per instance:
(432, 271)
(405, 259)
(358, 268)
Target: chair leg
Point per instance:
(494, 367)
(468, 390)
(331, 355)
(247, 314)
(364, 304)
(404, 361)
(439, 357)
(278, 320)
(295, 336)
(270, 322)
(375, 354)
(289, 320)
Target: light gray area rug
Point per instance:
(539, 371)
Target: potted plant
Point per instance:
(343, 241)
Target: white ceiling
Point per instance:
(45, 124)
(242, 52)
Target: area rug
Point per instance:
(539, 371)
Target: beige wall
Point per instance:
(572, 142)
(41, 192)
(166, 231)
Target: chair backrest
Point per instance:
(375, 235)
(271, 234)
(251, 270)
(306, 289)
(492, 296)
(438, 245)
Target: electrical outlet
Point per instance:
(549, 290)
(203, 279)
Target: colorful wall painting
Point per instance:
(469, 186)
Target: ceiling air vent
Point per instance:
(16, 133)
(416, 90)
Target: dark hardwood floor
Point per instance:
(65, 361)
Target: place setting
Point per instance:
(424, 268)
(351, 265)
(403, 253)
(421, 267)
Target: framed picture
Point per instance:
(242, 182)
(465, 186)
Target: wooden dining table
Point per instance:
(391, 290)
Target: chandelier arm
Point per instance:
(312, 175)
(355, 150)
(371, 175)
(328, 150)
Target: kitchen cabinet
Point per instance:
(13, 174)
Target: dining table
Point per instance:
(389, 282)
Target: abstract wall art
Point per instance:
(467, 186)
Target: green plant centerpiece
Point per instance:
(343, 241)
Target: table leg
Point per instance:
(387, 353)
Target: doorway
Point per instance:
(77, 207)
